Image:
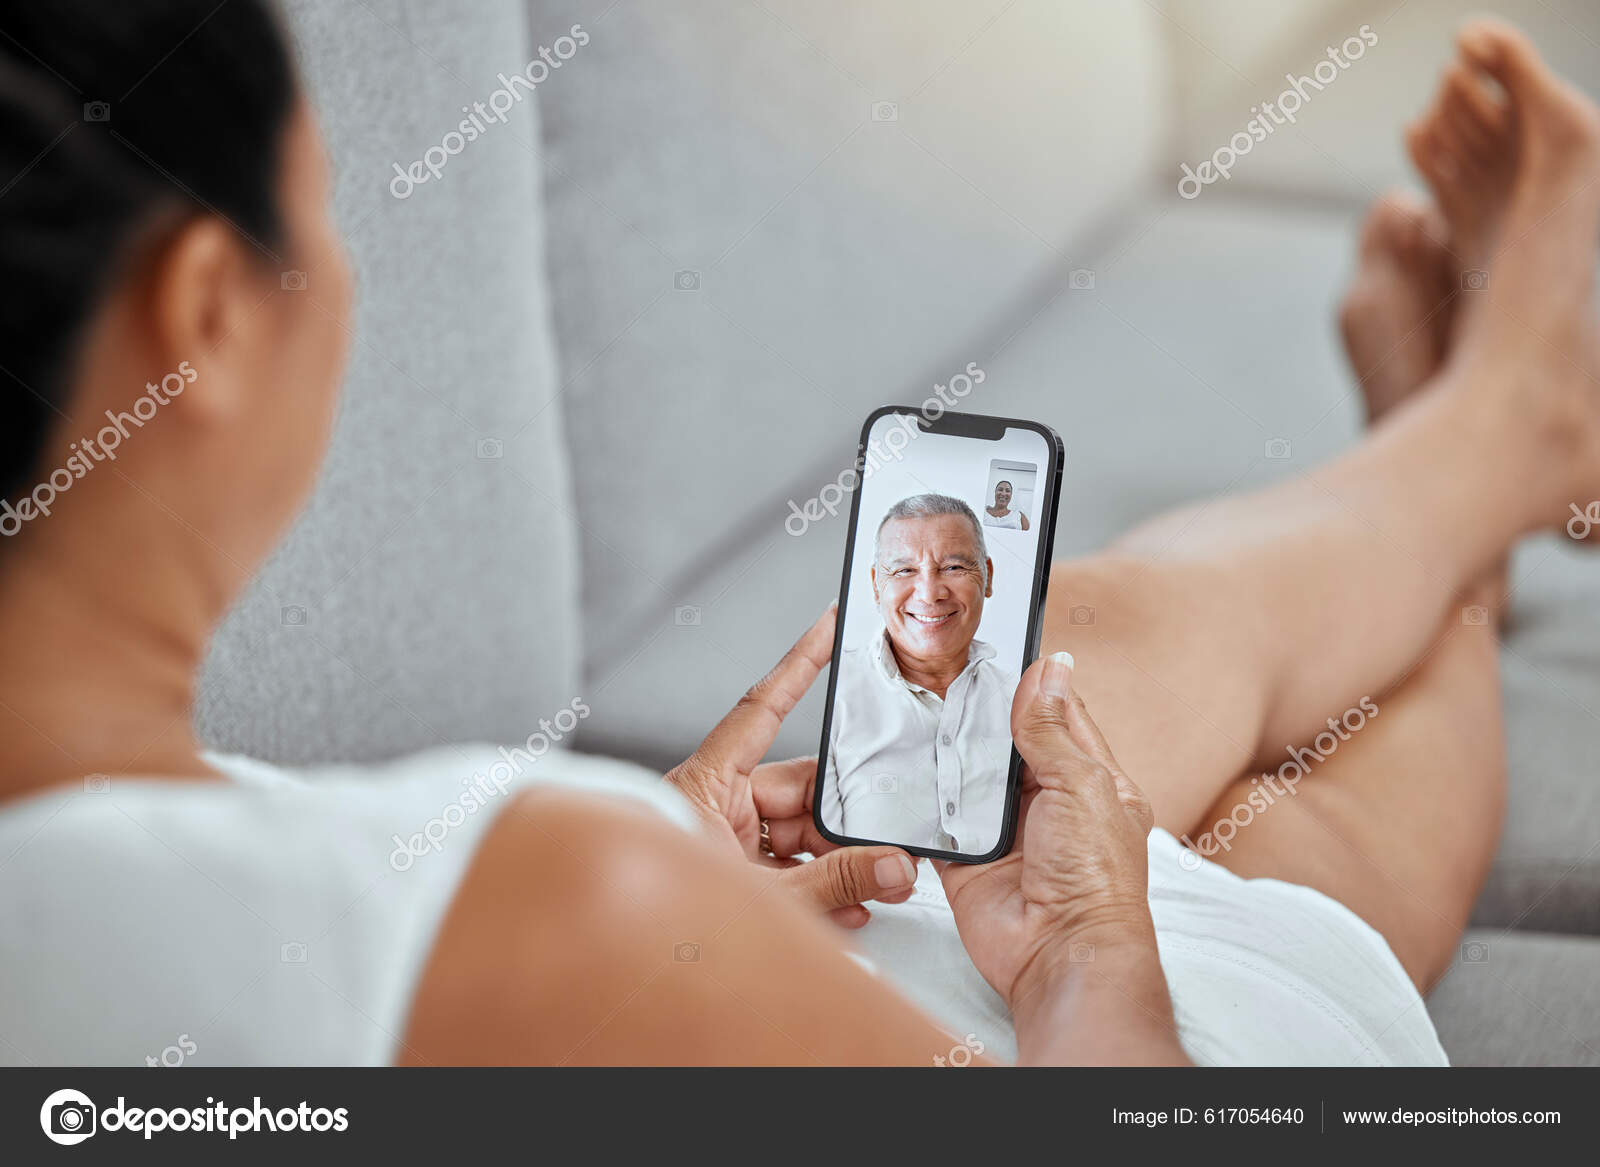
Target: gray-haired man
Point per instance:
(921, 735)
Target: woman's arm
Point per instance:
(1109, 1007)
(589, 932)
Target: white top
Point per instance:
(1262, 972)
(907, 767)
(284, 919)
(279, 919)
(1011, 520)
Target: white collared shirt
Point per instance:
(905, 766)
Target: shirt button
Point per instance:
(949, 808)
(945, 739)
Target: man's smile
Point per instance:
(930, 621)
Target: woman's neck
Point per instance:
(101, 650)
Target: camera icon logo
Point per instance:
(1474, 952)
(1475, 614)
(885, 784)
(1080, 279)
(1081, 954)
(294, 281)
(1474, 281)
(1278, 449)
(294, 952)
(97, 111)
(1081, 614)
(686, 280)
(686, 953)
(68, 1117)
(97, 784)
(686, 616)
(293, 616)
(885, 111)
(490, 449)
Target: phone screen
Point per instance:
(944, 578)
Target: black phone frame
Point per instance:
(986, 428)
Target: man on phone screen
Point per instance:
(921, 733)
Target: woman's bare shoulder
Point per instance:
(589, 931)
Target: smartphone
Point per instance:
(945, 567)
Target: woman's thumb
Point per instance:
(1039, 718)
(852, 875)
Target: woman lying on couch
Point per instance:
(167, 401)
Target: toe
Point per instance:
(1435, 162)
(1548, 115)
(1503, 52)
(1455, 142)
(1476, 124)
(1420, 145)
(1480, 110)
(1507, 55)
(1439, 161)
(1393, 224)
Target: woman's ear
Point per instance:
(205, 290)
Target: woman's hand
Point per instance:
(734, 794)
(1076, 883)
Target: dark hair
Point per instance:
(112, 115)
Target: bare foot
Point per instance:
(1464, 146)
(1396, 315)
(1513, 156)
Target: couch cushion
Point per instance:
(437, 589)
(1137, 374)
(1345, 143)
(1547, 875)
(852, 191)
(1520, 999)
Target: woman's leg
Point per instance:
(1400, 818)
(1400, 823)
(1228, 632)
(1222, 635)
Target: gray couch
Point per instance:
(596, 356)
